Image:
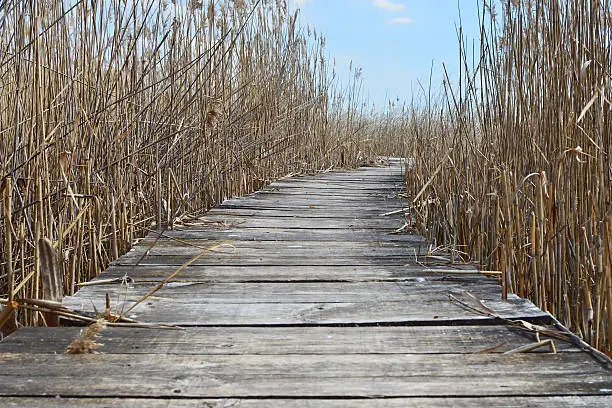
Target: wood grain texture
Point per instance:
(165, 310)
(455, 402)
(236, 233)
(306, 273)
(283, 340)
(353, 375)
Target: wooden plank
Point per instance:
(352, 375)
(191, 293)
(316, 212)
(346, 186)
(304, 205)
(344, 273)
(313, 198)
(377, 174)
(248, 249)
(212, 232)
(280, 260)
(247, 252)
(383, 224)
(334, 193)
(160, 246)
(419, 402)
(163, 310)
(358, 177)
(384, 181)
(281, 340)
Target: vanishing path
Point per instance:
(310, 301)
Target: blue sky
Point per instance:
(394, 41)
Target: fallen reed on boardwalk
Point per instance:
(518, 159)
(117, 117)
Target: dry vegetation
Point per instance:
(518, 156)
(117, 116)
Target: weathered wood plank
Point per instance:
(365, 247)
(313, 198)
(246, 249)
(344, 273)
(161, 310)
(191, 293)
(352, 375)
(213, 260)
(305, 205)
(360, 175)
(337, 194)
(220, 232)
(346, 187)
(384, 224)
(307, 213)
(307, 273)
(419, 402)
(281, 340)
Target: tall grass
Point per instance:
(519, 158)
(117, 117)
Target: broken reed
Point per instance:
(520, 159)
(116, 116)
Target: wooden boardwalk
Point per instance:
(309, 301)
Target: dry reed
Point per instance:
(518, 158)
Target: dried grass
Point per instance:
(515, 169)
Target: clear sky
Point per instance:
(393, 41)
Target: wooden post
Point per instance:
(8, 320)
(51, 278)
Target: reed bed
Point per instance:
(118, 117)
(514, 168)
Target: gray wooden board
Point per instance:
(282, 340)
(280, 260)
(288, 245)
(376, 174)
(289, 248)
(345, 375)
(365, 181)
(335, 247)
(355, 178)
(285, 234)
(161, 310)
(325, 194)
(327, 212)
(314, 198)
(296, 273)
(384, 224)
(338, 187)
(375, 214)
(415, 293)
(384, 182)
(305, 205)
(345, 187)
(419, 402)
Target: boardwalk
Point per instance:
(307, 300)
